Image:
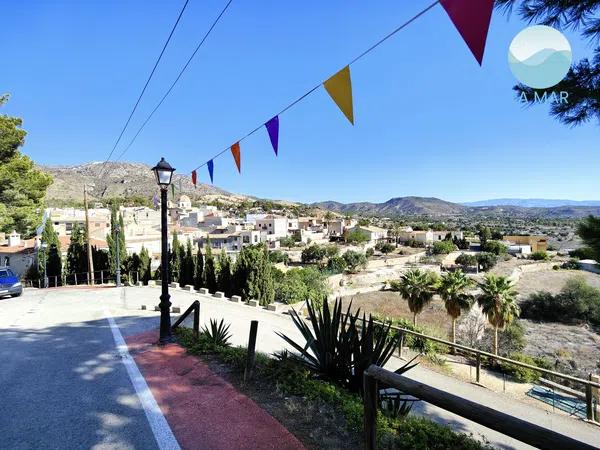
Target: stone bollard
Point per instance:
(151, 283)
(219, 294)
(253, 303)
(157, 308)
(174, 285)
(203, 291)
(143, 307)
(236, 299)
(189, 288)
(176, 310)
(274, 307)
(139, 284)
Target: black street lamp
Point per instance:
(164, 172)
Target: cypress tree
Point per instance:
(253, 277)
(210, 271)
(77, 252)
(116, 219)
(199, 269)
(225, 278)
(51, 254)
(175, 260)
(144, 265)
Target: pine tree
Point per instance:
(225, 278)
(210, 271)
(199, 269)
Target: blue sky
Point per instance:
(429, 120)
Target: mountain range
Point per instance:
(126, 179)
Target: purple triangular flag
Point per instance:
(211, 167)
(273, 129)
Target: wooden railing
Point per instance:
(479, 354)
(522, 430)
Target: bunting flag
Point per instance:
(472, 20)
(235, 151)
(273, 130)
(194, 177)
(339, 88)
(211, 167)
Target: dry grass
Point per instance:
(390, 304)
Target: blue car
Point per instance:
(9, 283)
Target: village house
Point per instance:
(374, 234)
(64, 219)
(337, 227)
(536, 243)
(273, 227)
(18, 254)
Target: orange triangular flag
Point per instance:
(339, 88)
(235, 151)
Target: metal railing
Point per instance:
(504, 423)
(479, 354)
(195, 308)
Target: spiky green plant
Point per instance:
(217, 333)
(340, 347)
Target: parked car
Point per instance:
(9, 283)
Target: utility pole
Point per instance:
(87, 236)
(118, 255)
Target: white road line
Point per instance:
(160, 428)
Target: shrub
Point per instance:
(300, 284)
(495, 247)
(313, 254)
(571, 264)
(577, 302)
(462, 244)
(510, 340)
(539, 256)
(355, 261)
(369, 253)
(356, 237)
(288, 241)
(277, 256)
(466, 260)
(385, 247)
(582, 253)
(521, 374)
(443, 247)
(487, 261)
(337, 264)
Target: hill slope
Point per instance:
(398, 206)
(121, 179)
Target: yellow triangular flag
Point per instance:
(339, 88)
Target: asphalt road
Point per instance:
(63, 385)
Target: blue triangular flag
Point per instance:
(211, 167)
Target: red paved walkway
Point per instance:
(203, 410)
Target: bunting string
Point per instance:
(470, 17)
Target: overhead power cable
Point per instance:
(145, 87)
(313, 89)
(214, 24)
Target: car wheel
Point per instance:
(16, 295)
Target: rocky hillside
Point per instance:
(120, 179)
(399, 206)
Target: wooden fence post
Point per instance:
(75, 279)
(589, 400)
(251, 359)
(197, 320)
(370, 411)
(478, 369)
(401, 347)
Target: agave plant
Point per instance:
(218, 333)
(341, 346)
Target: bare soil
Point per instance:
(552, 281)
(389, 304)
(318, 425)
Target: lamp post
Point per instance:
(164, 172)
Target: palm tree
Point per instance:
(498, 303)
(452, 290)
(418, 288)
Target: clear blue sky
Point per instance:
(429, 121)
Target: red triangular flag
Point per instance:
(194, 177)
(472, 20)
(235, 151)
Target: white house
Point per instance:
(18, 254)
(273, 226)
(374, 233)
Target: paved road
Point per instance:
(64, 385)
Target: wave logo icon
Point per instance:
(540, 56)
